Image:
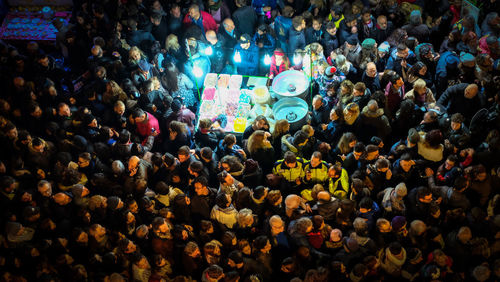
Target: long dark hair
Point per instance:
(169, 79)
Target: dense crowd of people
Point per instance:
(106, 174)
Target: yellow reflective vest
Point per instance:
(339, 188)
(289, 174)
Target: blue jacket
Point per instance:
(267, 40)
(249, 60)
(259, 4)
(282, 26)
(296, 40)
(138, 37)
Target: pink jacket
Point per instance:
(208, 21)
(144, 128)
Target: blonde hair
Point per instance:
(116, 93)
(172, 43)
(256, 141)
(280, 128)
(135, 49)
(419, 84)
(245, 218)
(96, 201)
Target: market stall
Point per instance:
(241, 99)
(32, 24)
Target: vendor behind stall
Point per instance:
(247, 55)
(279, 63)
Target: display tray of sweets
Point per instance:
(210, 80)
(223, 81)
(243, 110)
(235, 81)
(209, 94)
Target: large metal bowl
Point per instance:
(292, 109)
(291, 83)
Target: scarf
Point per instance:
(214, 7)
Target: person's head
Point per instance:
(229, 140)
(424, 194)
(350, 20)
(335, 170)
(281, 127)
(183, 154)
(211, 37)
(402, 51)
(45, 188)
(176, 128)
(335, 12)
(261, 122)
(194, 11)
(316, 159)
(406, 162)
(366, 15)
(420, 87)
(456, 121)
(471, 91)
(396, 81)
(383, 225)
(63, 110)
(316, 23)
(317, 102)
(346, 87)
(347, 142)
(331, 28)
(228, 25)
(84, 159)
(359, 89)
(464, 234)
(258, 140)
(371, 69)
(298, 23)
(290, 159)
(382, 165)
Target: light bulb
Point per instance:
(296, 59)
(237, 57)
(208, 51)
(197, 71)
(267, 60)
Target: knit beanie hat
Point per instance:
(398, 222)
(401, 189)
(113, 202)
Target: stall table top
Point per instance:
(30, 26)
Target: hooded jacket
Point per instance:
(390, 263)
(339, 187)
(375, 123)
(289, 174)
(226, 216)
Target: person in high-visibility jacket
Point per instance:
(315, 172)
(338, 184)
(291, 169)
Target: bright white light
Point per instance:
(197, 71)
(267, 60)
(296, 59)
(237, 57)
(208, 51)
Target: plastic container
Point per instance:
(210, 80)
(235, 81)
(245, 98)
(240, 124)
(243, 110)
(209, 94)
(223, 81)
(261, 95)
